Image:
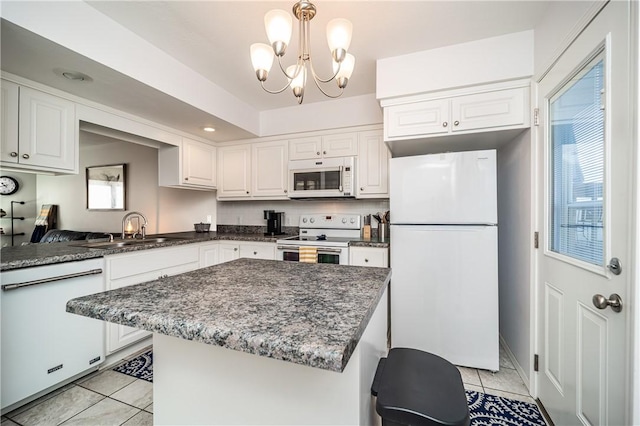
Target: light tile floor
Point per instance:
(100, 398)
(111, 398)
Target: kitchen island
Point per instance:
(258, 341)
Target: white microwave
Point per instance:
(327, 177)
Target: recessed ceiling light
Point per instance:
(74, 76)
(208, 129)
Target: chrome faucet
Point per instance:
(142, 227)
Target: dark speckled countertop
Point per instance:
(46, 254)
(310, 314)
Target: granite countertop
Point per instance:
(46, 254)
(309, 314)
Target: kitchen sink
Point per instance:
(125, 243)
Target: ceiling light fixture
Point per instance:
(74, 76)
(278, 24)
(208, 129)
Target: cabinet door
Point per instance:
(209, 254)
(369, 256)
(228, 251)
(486, 110)
(340, 145)
(305, 148)
(9, 122)
(198, 163)
(419, 118)
(258, 251)
(47, 130)
(234, 171)
(373, 166)
(270, 172)
(138, 267)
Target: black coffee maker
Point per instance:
(274, 222)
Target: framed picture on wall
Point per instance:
(106, 187)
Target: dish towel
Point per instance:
(308, 254)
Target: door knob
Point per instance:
(600, 302)
(615, 266)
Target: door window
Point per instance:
(577, 148)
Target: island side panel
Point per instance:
(196, 383)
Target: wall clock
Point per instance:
(8, 185)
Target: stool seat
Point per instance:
(419, 388)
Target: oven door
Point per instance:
(334, 255)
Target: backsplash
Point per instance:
(251, 212)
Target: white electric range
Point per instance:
(328, 233)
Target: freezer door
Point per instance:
(444, 292)
(450, 188)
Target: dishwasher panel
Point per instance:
(42, 344)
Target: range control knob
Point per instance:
(344, 220)
(304, 220)
(312, 220)
(353, 220)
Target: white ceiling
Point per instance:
(213, 39)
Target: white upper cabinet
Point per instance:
(269, 171)
(198, 163)
(419, 118)
(373, 166)
(502, 108)
(46, 130)
(234, 171)
(337, 145)
(476, 112)
(192, 165)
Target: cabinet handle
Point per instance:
(455, 123)
(13, 154)
(186, 178)
(247, 192)
(25, 156)
(235, 249)
(361, 189)
(445, 124)
(255, 253)
(366, 260)
(324, 152)
(285, 191)
(318, 153)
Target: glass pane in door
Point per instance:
(577, 165)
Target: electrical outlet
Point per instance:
(238, 220)
(208, 218)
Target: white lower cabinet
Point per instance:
(369, 256)
(209, 254)
(258, 250)
(231, 250)
(146, 265)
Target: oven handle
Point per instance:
(320, 250)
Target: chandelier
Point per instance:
(278, 24)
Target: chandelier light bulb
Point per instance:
(299, 81)
(278, 24)
(346, 69)
(262, 59)
(339, 32)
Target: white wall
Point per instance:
(251, 212)
(514, 247)
(501, 58)
(333, 114)
(29, 210)
(166, 209)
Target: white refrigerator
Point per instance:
(444, 256)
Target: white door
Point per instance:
(585, 159)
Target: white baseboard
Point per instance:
(515, 363)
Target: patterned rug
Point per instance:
(494, 410)
(484, 409)
(140, 367)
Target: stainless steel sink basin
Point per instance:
(124, 243)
